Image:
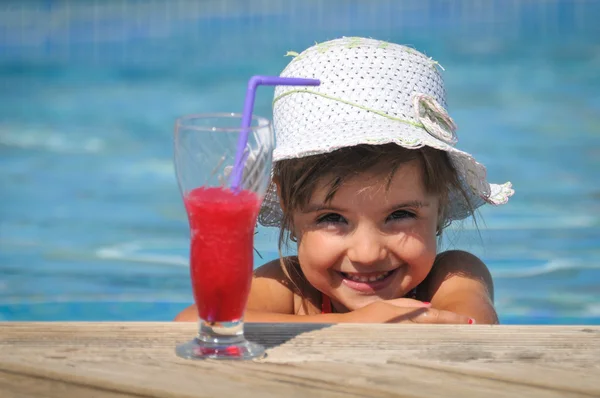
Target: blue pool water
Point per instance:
(91, 222)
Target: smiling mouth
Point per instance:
(368, 282)
(368, 278)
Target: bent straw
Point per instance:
(253, 83)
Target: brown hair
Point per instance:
(298, 178)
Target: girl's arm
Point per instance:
(273, 299)
(190, 315)
(460, 282)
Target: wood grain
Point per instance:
(13, 385)
(137, 359)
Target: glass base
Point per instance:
(220, 340)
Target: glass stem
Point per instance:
(222, 333)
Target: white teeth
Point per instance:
(367, 279)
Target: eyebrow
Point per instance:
(418, 204)
(315, 207)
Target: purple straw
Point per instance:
(255, 81)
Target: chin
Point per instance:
(360, 302)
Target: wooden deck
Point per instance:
(138, 360)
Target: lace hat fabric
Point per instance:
(371, 92)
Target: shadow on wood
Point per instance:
(271, 335)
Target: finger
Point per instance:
(410, 303)
(433, 316)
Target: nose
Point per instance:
(367, 246)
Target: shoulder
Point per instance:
(457, 269)
(279, 286)
(461, 283)
(189, 314)
(272, 291)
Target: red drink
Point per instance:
(222, 233)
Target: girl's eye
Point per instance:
(401, 215)
(330, 218)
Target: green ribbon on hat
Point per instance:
(380, 113)
(434, 118)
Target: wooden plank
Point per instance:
(446, 342)
(577, 347)
(14, 385)
(256, 379)
(569, 347)
(320, 360)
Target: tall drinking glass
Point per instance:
(222, 223)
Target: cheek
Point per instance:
(316, 252)
(418, 249)
(420, 246)
(429, 248)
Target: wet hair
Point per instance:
(298, 178)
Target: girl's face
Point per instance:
(371, 242)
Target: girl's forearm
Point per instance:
(481, 309)
(271, 317)
(190, 314)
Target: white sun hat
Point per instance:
(372, 92)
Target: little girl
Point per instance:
(365, 179)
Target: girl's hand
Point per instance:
(404, 311)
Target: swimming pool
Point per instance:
(91, 223)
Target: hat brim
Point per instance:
(472, 174)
